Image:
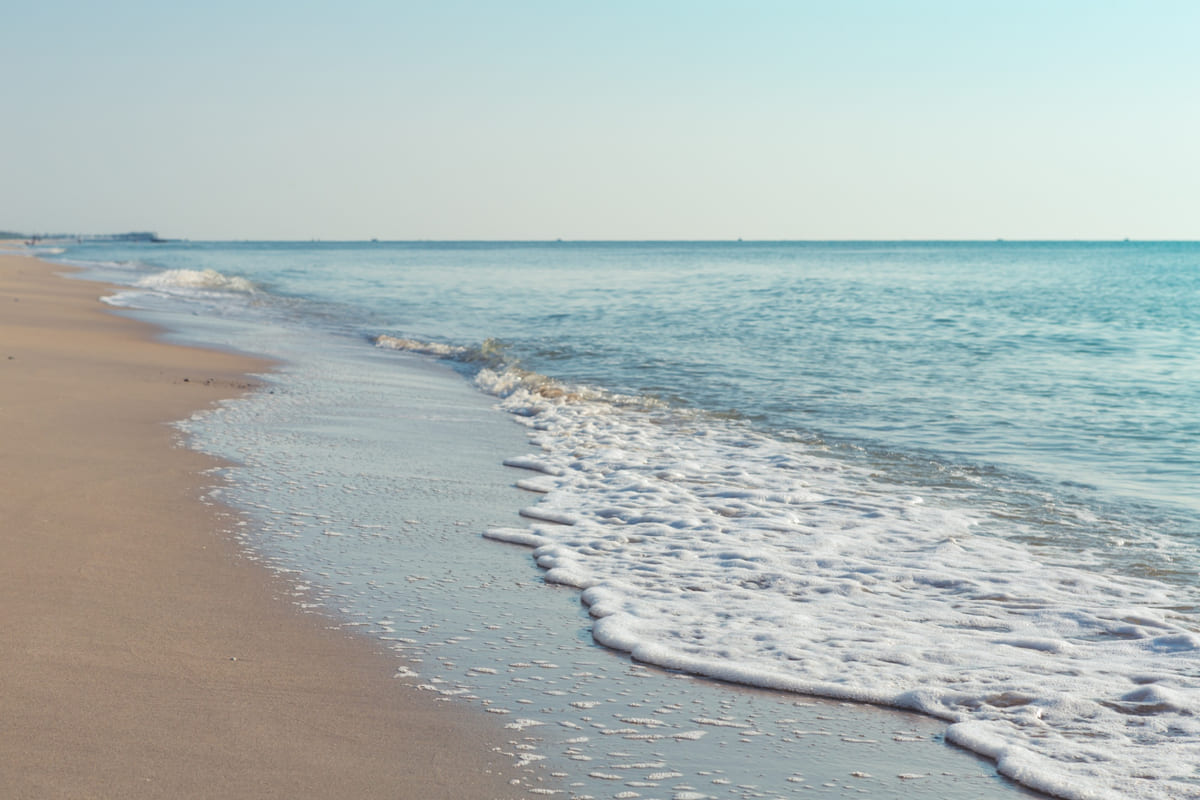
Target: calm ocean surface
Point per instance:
(957, 478)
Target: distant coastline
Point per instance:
(53, 238)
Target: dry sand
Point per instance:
(141, 655)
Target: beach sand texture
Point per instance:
(143, 655)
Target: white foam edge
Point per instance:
(1024, 766)
(611, 629)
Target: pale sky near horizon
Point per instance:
(461, 119)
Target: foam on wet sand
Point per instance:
(396, 452)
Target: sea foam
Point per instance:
(174, 280)
(703, 546)
(414, 346)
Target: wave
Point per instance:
(190, 279)
(424, 348)
(701, 545)
(501, 376)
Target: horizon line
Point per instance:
(116, 237)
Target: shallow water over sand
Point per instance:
(379, 525)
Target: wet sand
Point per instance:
(144, 655)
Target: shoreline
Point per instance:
(145, 655)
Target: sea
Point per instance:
(571, 482)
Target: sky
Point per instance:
(466, 119)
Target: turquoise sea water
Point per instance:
(953, 477)
(1068, 369)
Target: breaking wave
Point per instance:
(176, 280)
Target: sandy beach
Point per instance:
(144, 655)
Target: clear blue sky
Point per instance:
(608, 120)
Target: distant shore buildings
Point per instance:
(39, 238)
